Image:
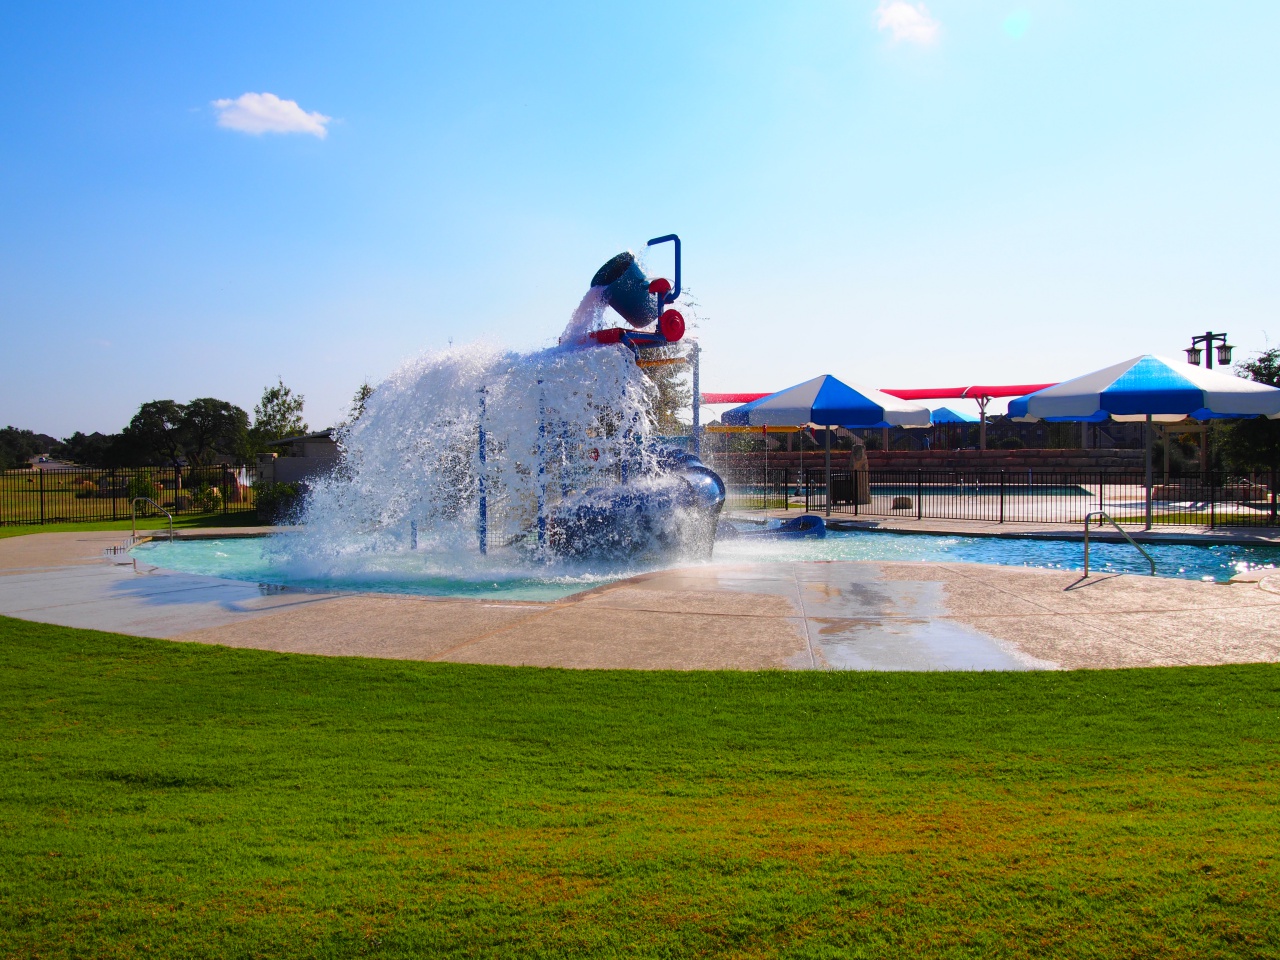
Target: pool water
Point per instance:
(249, 558)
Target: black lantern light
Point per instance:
(1210, 340)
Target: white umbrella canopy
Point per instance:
(1151, 389)
(827, 402)
(1148, 386)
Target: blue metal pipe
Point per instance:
(674, 292)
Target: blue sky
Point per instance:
(902, 194)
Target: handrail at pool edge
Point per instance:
(1137, 546)
(133, 514)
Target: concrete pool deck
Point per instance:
(831, 615)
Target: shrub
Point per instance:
(1011, 443)
(206, 498)
(142, 486)
(277, 502)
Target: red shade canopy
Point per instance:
(934, 393)
(971, 393)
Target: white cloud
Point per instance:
(266, 113)
(911, 23)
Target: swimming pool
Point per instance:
(258, 559)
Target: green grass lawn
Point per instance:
(166, 799)
(244, 518)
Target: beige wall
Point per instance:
(273, 469)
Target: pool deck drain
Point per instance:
(822, 615)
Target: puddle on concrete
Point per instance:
(858, 621)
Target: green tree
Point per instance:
(92, 450)
(156, 432)
(1248, 444)
(211, 426)
(278, 414)
(17, 447)
(363, 393)
(674, 391)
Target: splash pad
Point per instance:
(485, 464)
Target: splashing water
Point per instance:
(565, 427)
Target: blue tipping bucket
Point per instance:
(627, 290)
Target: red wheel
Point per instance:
(671, 325)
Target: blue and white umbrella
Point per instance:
(1164, 390)
(827, 402)
(1153, 389)
(947, 415)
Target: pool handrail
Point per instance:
(1137, 546)
(133, 513)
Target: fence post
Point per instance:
(919, 494)
(804, 477)
(1002, 496)
(786, 488)
(1213, 501)
(114, 490)
(41, 498)
(1273, 493)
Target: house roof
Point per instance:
(318, 435)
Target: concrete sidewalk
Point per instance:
(887, 616)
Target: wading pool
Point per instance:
(254, 559)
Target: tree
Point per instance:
(674, 393)
(93, 450)
(17, 447)
(278, 414)
(363, 393)
(212, 426)
(156, 432)
(1255, 443)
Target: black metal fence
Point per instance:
(1025, 496)
(77, 495)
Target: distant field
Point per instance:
(174, 800)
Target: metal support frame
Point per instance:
(695, 355)
(982, 421)
(1137, 546)
(542, 467)
(1149, 442)
(482, 516)
(827, 466)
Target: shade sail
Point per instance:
(1148, 386)
(972, 392)
(947, 415)
(827, 402)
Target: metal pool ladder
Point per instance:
(133, 512)
(1137, 546)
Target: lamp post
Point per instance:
(1209, 339)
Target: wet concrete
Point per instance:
(843, 615)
